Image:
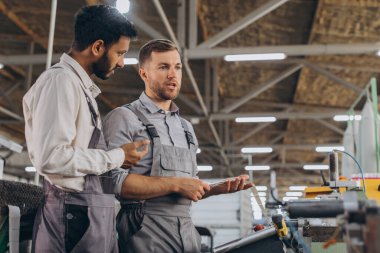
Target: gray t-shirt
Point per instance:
(122, 126)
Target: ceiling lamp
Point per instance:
(255, 119)
(257, 167)
(255, 57)
(315, 167)
(257, 150)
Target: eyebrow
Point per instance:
(164, 63)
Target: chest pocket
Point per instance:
(176, 162)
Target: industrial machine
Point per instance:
(341, 216)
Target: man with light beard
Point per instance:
(65, 140)
(157, 192)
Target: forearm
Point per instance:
(139, 187)
(212, 192)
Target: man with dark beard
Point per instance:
(157, 192)
(65, 140)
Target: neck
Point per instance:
(83, 59)
(162, 104)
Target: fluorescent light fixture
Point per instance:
(257, 150)
(315, 167)
(204, 168)
(255, 119)
(261, 188)
(289, 198)
(328, 148)
(198, 150)
(30, 169)
(297, 188)
(347, 117)
(294, 194)
(255, 57)
(123, 6)
(130, 61)
(1, 65)
(257, 167)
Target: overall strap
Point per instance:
(189, 135)
(150, 128)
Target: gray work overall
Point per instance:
(77, 221)
(161, 225)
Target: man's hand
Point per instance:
(191, 188)
(229, 185)
(134, 152)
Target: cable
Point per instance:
(357, 163)
(275, 199)
(298, 237)
(323, 178)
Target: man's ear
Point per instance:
(143, 74)
(97, 48)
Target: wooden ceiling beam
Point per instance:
(22, 25)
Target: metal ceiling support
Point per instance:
(10, 113)
(261, 88)
(268, 159)
(22, 25)
(191, 77)
(165, 20)
(9, 121)
(208, 85)
(250, 133)
(195, 86)
(185, 63)
(196, 53)
(242, 23)
(215, 86)
(190, 103)
(147, 29)
(331, 76)
(181, 22)
(10, 90)
(53, 15)
(276, 139)
(193, 24)
(29, 76)
(289, 50)
(27, 59)
(330, 126)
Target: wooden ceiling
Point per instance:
(300, 90)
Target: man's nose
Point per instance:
(120, 63)
(172, 73)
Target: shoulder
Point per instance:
(189, 125)
(121, 118)
(61, 78)
(121, 112)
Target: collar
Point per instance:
(81, 73)
(153, 108)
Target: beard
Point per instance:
(166, 94)
(102, 68)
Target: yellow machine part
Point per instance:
(372, 188)
(312, 192)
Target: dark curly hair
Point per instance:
(100, 22)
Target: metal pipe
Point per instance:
(315, 208)
(197, 53)
(53, 15)
(262, 234)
